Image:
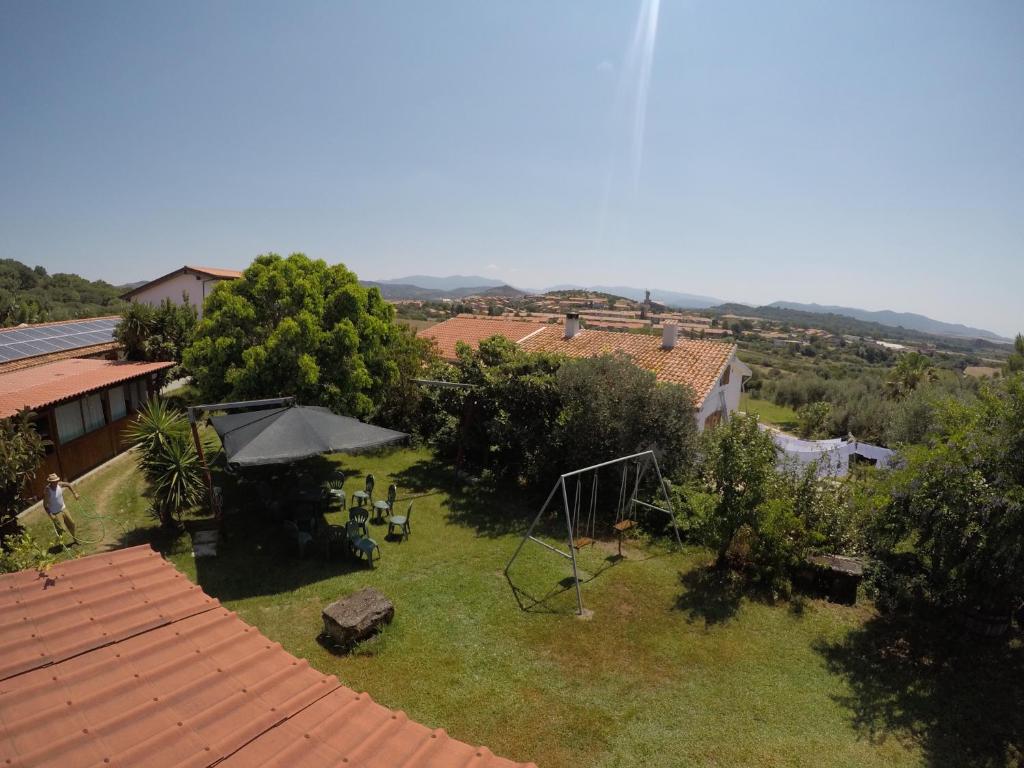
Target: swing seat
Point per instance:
(582, 541)
(624, 525)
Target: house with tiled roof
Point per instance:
(118, 659)
(82, 397)
(471, 330)
(81, 407)
(187, 283)
(710, 368)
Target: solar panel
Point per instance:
(18, 343)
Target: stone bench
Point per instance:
(353, 619)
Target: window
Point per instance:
(118, 407)
(725, 376)
(42, 427)
(92, 412)
(69, 421)
(137, 394)
(713, 420)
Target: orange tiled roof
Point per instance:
(44, 385)
(118, 659)
(693, 362)
(472, 330)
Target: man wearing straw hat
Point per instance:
(53, 503)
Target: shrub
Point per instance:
(21, 552)
(169, 459)
(21, 450)
(958, 505)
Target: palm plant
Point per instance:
(912, 370)
(169, 458)
(156, 425)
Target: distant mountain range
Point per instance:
(458, 286)
(668, 298)
(408, 291)
(907, 320)
(450, 283)
(429, 288)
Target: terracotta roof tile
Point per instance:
(693, 362)
(473, 330)
(51, 383)
(119, 659)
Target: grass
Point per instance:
(780, 416)
(675, 667)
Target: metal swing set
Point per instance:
(580, 530)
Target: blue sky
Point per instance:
(863, 153)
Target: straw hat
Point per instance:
(53, 478)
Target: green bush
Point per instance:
(957, 506)
(169, 459)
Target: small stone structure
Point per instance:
(840, 576)
(356, 617)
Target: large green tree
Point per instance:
(957, 506)
(21, 450)
(298, 327)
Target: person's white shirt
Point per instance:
(53, 499)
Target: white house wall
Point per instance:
(196, 286)
(731, 393)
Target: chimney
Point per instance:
(572, 324)
(669, 335)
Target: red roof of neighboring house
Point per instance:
(694, 362)
(47, 384)
(212, 272)
(472, 330)
(118, 659)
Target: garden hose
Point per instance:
(85, 510)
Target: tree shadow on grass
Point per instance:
(492, 508)
(714, 594)
(959, 697)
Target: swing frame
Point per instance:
(647, 459)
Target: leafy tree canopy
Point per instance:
(32, 296)
(156, 334)
(21, 450)
(298, 327)
(957, 507)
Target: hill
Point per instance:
(672, 299)
(406, 291)
(31, 295)
(450, 283)
(846, 325)
(907, 320)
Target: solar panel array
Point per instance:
(19, 343)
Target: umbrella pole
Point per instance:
(206, 467)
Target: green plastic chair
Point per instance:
(386, 506)
(365, 495)
(366, 546)
(401, 522)
(300, 537)
(336, 492)
(359, 515)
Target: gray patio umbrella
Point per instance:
(284, 435)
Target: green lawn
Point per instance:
(780, 416)
(672, 670)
